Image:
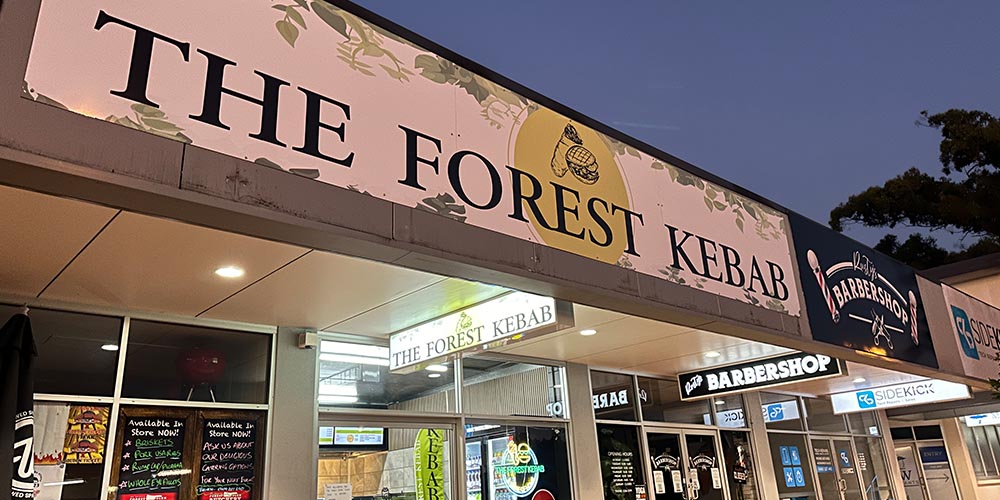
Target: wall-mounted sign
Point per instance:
(513, 316)
(983, 419)
(909, 394)
(519, 469)
(859, 298)
(976, 327)
(390, 119)
(772, 412)
(752, 375)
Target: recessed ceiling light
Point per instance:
(110, 347)
(588, 332)
(433, 375)
(719, 402)
(858, 380)
(230, 272)
(437, 368)
(712, 354)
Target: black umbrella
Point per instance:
(17, 392)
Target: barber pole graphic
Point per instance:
(913, 318)
(821, 280)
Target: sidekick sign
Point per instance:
(482, 326)
(753, 375)
(976, 329)
(893, 396)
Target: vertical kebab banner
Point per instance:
(428, 464)
(17, 353)
(859, 298)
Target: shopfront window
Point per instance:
(70, 447)
(729, 411)
(820, 417)
(792, 466)
(781, 412)
(863, 423)
(190, 363)
(390, 463)
(740, 475)
(983, 442)
(621, 463)
(663, 404)
(77, 353)
(511, 462)
(358, 376)
(873, 468)
(494, 386)
(613, 396)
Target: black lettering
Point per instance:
(314, 123)
(562, 210)
(778, 287)
(731, 260)
(608, 236)
(455, 164)
(520, 198)
(706, 258)
(629, 230)
(756, 275)
(142, 57)
(412, 159)
(677, 249)
(212, 104)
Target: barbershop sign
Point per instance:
(757, 374)
(894, 396)
(513, 316)
(314, 89)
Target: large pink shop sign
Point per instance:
(311, 88)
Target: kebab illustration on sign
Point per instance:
(570, 155)
(838, 290)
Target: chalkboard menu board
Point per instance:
(228, 459)
(151, 463)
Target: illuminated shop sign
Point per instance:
(488, 324)
(913, 393)
(976, 330)
(752, 375)
(772, 412)
(859, 298)
(983, 419)
(519, 469)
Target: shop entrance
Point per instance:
(686, 465)
(926, 470)
(837, 469)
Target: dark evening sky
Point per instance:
(802, 102)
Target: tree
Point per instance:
(964, 201)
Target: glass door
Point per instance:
(704, 466)
(837, 469)
(685, 465)
(913, 477)
(667, 466)
(847, 468)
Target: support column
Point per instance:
(767, 481)
(958, 455)
(292, 452)
(587, 483)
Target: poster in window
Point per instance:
(227, 459)
(86, 433)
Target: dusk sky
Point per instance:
(802, 102)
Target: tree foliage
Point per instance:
(965, 200)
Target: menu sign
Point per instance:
(151, 466)
(227, 459)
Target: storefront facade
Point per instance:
(381, 207)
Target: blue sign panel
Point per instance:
(786, 458)
(794, 452)
(789, 477)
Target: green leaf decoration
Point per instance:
(296, 17)
(268, 163)
(708, 203)
(282, 8)
(330, 16)
(310, 173)
(719, 205)
(443, 204)
(149, 111)
(739, 224)
(711, 192)
(658, 166)
(303, 4)
(288, 31)
(161, 125)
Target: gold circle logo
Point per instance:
(557, 150)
